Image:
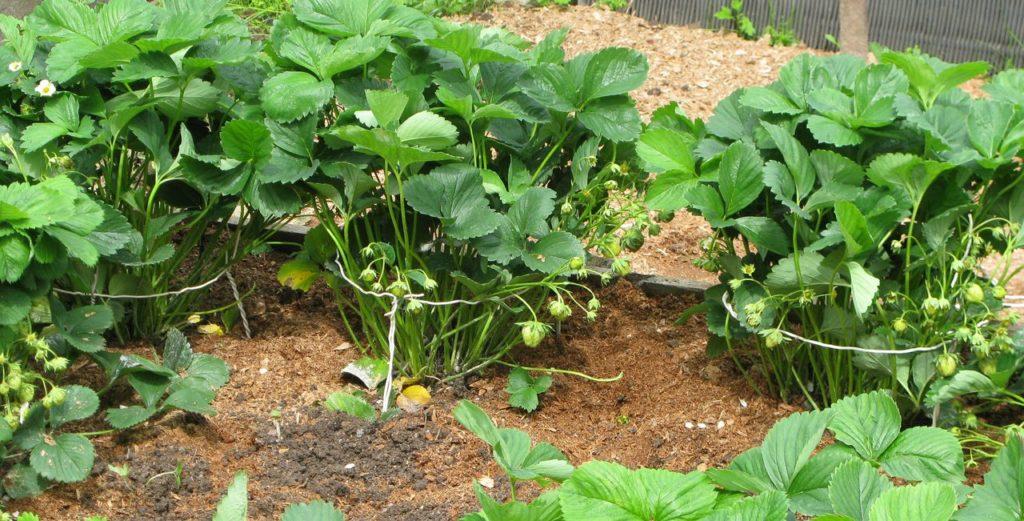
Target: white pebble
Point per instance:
(486, 482)
(688, 425)
(720, 424)
(743, 403)
(263, 370)
(350, 466)
(702, 425)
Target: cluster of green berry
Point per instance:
(21, 381)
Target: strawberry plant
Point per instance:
(128, 100)
(789, 477)
(851, 206)
(46, 224)
(454, 168)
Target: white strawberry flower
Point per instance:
(14, 66)
(46, 88)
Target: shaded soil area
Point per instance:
(421, 466)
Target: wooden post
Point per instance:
(853, 26)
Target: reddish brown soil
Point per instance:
(420, 466)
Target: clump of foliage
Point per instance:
(127, 99)
(259, 14)
(740, 23)
(855, 478)
(852, 204)
(614, 5)
(450, 7)
(449, 163)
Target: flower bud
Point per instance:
(591, 316)
(593, 304)
(566, 208)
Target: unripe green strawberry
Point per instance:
(633, 240)
(414, 307)
(576, 263)
(560, 310)
(26, 392)
(988, 366)
(566, 208)
(654, 229)
(610, 185)
(621, 267)
(999, 292)
(773, 338)
(664, 216)
(946, 364)
(368, 275)
(398, 289)
(899, 325)
(57, 395)
(593, 304)
(612, 248)
(974, 293)
(533, 332)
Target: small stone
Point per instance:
(350, 466)
(743, 403)
(688, 425)
(703, 84)
(702, 425)
(720, 425)
(486, 482)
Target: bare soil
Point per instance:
(418, 466)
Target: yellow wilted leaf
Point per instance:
(194, 319)
(417, 394)
(211, 329)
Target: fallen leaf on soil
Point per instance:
(211, 329)
(417, 393)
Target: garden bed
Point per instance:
(673, 407)
(419, 466)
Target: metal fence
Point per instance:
(954, 30)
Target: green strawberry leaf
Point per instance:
(65, 458)
(524, 389)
